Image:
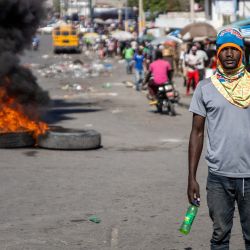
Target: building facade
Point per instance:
(82, 6)
(111, 3)
(222, 12)
(49, 3)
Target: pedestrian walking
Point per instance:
(101, 51)
(128, 53)
(185, 49)
(222, 101)
(139, 72)
(203, 61)
(168, 55)
(192, 62)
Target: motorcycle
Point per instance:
(35, 44)
(167, 96)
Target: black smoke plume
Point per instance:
(19, 20)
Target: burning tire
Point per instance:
(16, 139)
(72, 139)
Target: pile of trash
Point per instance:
(75, 69)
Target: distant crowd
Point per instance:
(194, 61)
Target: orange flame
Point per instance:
(14, 119)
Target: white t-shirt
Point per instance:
(228, 137)
(203, 56)
(134, 45)
(193, 60)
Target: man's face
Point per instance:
(194, 52)
(229, 57)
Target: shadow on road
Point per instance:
(31, 153)
(163, 113)
(59, 103)
(60, 110)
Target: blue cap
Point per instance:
(230, 36)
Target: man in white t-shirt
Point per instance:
(204, 58)
(192, 61)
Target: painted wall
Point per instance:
(224, 10)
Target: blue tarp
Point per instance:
(245, 30)
(240, 23)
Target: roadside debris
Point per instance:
(72, 87)
(45, 56)
(129, 84)
(77, 87)
(116, 111)
(107, 85)
(94, 219)
(74, 69)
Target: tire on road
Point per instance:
(69, 139)
(17, 139)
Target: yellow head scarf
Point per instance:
(234, 84)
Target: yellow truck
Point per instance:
(66, 38)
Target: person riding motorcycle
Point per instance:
(35, 42)
(158, 75)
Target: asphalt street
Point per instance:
(136, 183)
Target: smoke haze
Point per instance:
(19, 20)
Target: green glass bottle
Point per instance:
(189, 218)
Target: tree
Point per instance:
(162, 6)
(57, 5)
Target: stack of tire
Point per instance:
(55, 138)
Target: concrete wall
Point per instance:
(112, 3)
(244, 9)
(81, 6)
(177, 19)
(49, 3)
(222, 9)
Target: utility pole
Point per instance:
(141, 18)
(235, 15)
(62, 7)
(120, 21)
(192, 10)
(90, 10)
(126, 16)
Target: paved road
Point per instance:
(136, 183)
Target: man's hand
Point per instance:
(193, 191)
(194, 153)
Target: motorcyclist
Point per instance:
(158, 75)
(35, 42)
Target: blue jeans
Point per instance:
(129, 65)
(139, 75)
(222, 194)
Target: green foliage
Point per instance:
(133, 3)
(56, 4)
(157, 5)
(162, 6)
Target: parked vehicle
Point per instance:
(66, 38)
(167, 96)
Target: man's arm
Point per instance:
(194, 153)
